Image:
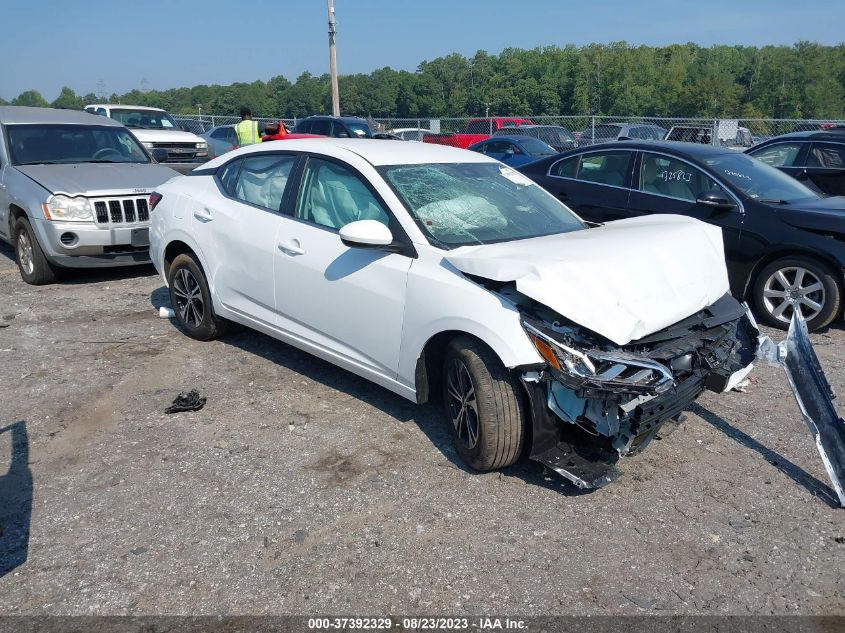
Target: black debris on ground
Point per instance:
(186, 401)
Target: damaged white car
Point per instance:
(441, 274)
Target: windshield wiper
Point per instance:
(44, 162)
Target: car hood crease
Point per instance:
(624, 280)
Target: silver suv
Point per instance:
(74, 191)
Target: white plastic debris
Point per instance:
(166, 313)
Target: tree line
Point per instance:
(806, 80)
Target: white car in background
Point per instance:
(411, 133)
(442, 274)
(156, 129)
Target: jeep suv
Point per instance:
(75, 191)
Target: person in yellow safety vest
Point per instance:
(247, 129)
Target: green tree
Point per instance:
(30, 98)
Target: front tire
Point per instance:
(191, 300)
(483, 404)
(34, 267)
(797, 282)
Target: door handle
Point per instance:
(563, 195)
(291, 248)
(203, 216)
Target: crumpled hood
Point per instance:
(99, 178)
(624, 280)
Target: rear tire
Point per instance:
(483, 403)
(34, 267)
(191, 300)
(797, 281)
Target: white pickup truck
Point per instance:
(155, 129)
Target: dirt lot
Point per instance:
(301, 488)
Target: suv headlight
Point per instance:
(597, 369)
(202, 145)
(147, 144)
(67, 209)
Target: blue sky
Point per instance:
(166, 44)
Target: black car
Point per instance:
(337, 126)
(784, 242)
(555, 136)
(818, 158)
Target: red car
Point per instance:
(477, 131)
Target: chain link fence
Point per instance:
(582, 130)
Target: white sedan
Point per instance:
(443, 275)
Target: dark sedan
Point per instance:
(784, 242)
(816, 158)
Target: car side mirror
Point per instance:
(159, 154)
(716, 200)
(366, 234)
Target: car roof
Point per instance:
(508, 137)
(691, 149)
(374, 151)
(331, 116)
(123, 105)
(834, 134)
(27, 115)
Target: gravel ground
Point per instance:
(300, 488)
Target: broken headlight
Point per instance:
(598, 370)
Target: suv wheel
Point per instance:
(33, 265)
(191, 300)
(797, 283)
(483, 404)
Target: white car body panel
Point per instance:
(654, 271)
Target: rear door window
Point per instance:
(262, 180)
(567, 168)
(606, 168)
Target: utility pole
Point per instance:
(333, 61)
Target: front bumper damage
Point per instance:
(814, 396)
(582, 426)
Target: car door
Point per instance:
(825, 167)
(237, 224)
(347, 302)
(667, 184)
(593, 184)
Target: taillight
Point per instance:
(155, 198)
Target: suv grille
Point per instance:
(178, 152)
(122, 211)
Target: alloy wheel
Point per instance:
(793, 288)
(25, 255)
(189, 303)
(463, 406)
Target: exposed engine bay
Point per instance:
(594, 401)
